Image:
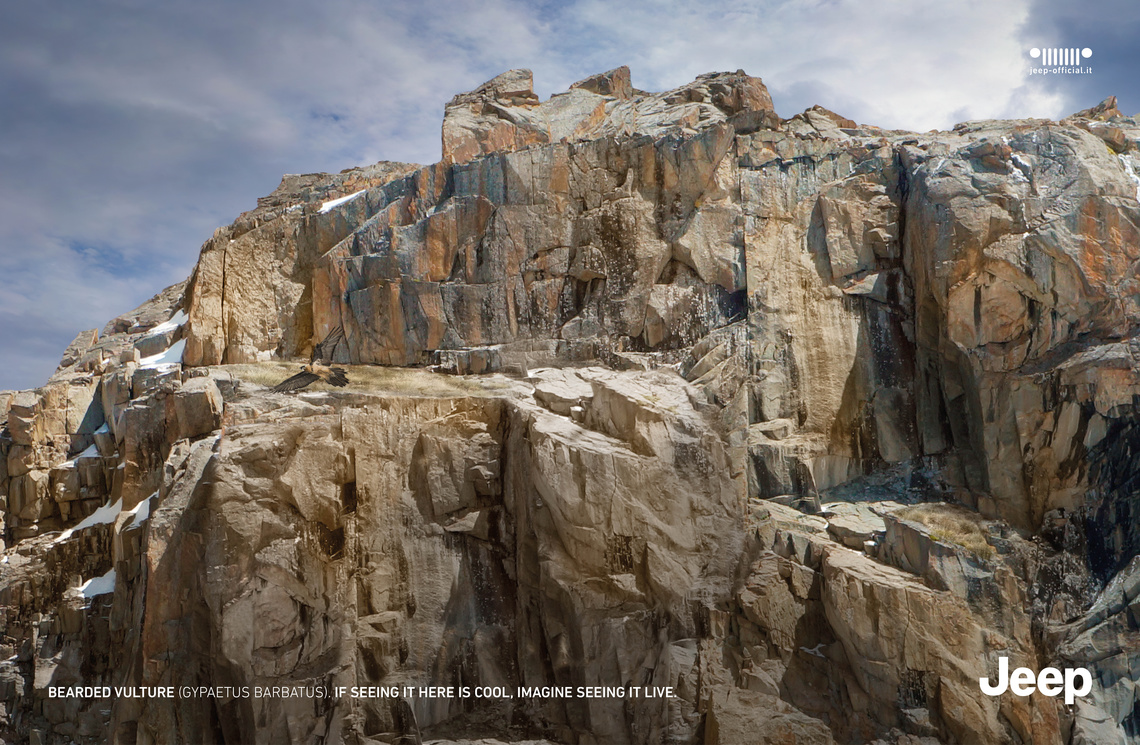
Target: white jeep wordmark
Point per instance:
(1050, 682)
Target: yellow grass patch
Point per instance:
(376, 378)
(951, 523)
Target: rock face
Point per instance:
(683, 323)
(251, 293)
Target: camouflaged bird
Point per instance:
(318, 368)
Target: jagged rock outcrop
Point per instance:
(251, 292)
(504, 114)
(680, 324)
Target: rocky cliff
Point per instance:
(806, 421)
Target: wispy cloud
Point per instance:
(1109, 28)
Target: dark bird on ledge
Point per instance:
(318, 368)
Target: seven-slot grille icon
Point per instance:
(1060, 55)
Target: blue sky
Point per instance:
(129, 130)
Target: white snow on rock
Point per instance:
(90, 452)
(337, 202)
(98, 585)
(102, 516)
(172, 356)
(1130, 166)
(140, 513)
(174, 322)
(109, 514)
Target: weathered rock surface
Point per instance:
(665, 218)
(708, 320)
(251, 294)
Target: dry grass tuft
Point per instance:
(376, 378)
(953, 524)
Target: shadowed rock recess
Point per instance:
(810, 421)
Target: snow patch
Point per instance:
(140, 513)
(174, 322)
(170, 357)
(90, 452)
(295, 207)
(337, 202)
(109, 513)
(98, 585)
(104, 429)
(105, 515)
(1130, 166)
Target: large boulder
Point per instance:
(198, 407)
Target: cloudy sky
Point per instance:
(130, 129)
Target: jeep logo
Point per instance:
(1051, 681)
